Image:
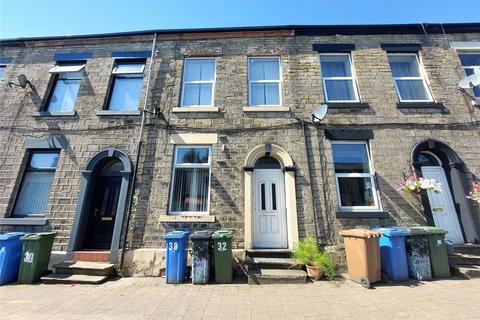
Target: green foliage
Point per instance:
(308, 253)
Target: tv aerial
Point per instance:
(319, 113)
(470, 81)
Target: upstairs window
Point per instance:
(353, 174)
(409, 79)
(3, 71)
(198, 83)
(66, 86)
(471, 65)
(337, 76)
(37, 181)
(190, 193)
(264, 82)
(127, 85)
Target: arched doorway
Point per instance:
(448, 209)
(101, 203)
(270, 199)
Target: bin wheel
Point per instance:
(365, 283)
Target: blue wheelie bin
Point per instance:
(393, 254)
(176, 256)
(10, 255)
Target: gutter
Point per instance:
(139, 146)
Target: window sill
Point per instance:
(362, 214)
(179, 218)
(266, 109)
(118, 113)
(195, 109)
(420, 105)
(347, 105)
(24, 221)
(54, 114)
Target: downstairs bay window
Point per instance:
(355, 182)
(190, 192)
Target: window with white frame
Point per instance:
(264, 85)
(37, 181)
(198, 82)
(409, 79)
(3, 71)
(190, 193)
(471, 65)
(127, 85)
(353, 174)
(68, 77)
(338, 79)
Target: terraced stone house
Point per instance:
(114, 140)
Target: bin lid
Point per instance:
(178, 234)
(431, 230)
(392, 232)
(219, 234)
(360, 233)
(11, 236)
(39, 235)
(416, 231)
(201, 234)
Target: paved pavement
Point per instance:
(151, 298)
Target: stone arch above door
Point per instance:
(286, 162)
(456, 173)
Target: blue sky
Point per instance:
(29, 18)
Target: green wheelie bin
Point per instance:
(36, 252)
(437, 250)
(222, 251)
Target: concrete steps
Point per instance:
(273, 266)
(465, 260)
(80, 272)
(466, 271)
(467, 248)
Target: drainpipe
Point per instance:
(139, 146)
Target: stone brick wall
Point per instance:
(396, 131)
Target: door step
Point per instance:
(275, 276)
(65, 278)
(269, 253)
(466, 271)
(270, 263)
(463, 258)
(92, 256)
(467, 248)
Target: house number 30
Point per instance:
(222, 246)
(173, 246)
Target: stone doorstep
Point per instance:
(61, 278)
(274, 276)
(84, 268)
(271, 263)
(463, 258)
(92, 256)
(270, 253)
(466, 271)
(467, 248)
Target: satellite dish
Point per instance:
(22, 81)
(319, 113)
(470, 81)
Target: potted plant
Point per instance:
(475, 193)
(317, 263)
(416, 185)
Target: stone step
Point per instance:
(269, 253)
(466, 271)
(85, 268)
(271, 263)
(68, 278)
(275, 276)
(467, 248)
(462, 258)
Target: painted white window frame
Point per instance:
(370, 175)
(476, 69)
(353, 78)
(190, 165)
(118, 74)
(213, 82)
(422, 77)
(279, 81)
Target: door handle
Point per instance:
(95, 212)
(437, 210)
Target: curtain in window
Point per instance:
(411, 90)
(264, 70)
(64, 95)
(190, 190)
(198, 94)
(340, 90)
(33, 196)
(407, 67)
(126, 93)
(335, 66)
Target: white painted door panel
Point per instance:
(270, 227)
(441, 204)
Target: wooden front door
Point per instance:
(101, 219)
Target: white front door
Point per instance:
(441, 204)
(270, 225)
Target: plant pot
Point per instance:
(314, 273)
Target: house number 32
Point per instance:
(222, 246)
(173, 246)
